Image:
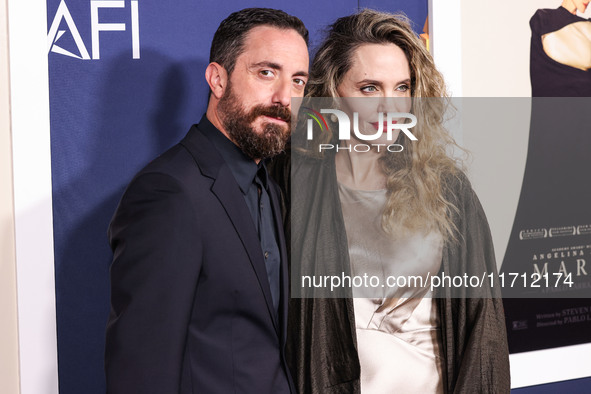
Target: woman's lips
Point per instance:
(376, 125)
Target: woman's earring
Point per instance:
(333, 118)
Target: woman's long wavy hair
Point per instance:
(418, 176)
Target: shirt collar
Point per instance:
(243, 168)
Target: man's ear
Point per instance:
(217, 79)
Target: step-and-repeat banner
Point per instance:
(127, 82)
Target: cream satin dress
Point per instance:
(398, 330)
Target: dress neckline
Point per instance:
(360, 190)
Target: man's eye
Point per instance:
(267, 73)
(299, 82)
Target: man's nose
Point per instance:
(282, 93)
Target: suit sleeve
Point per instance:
(155, 268)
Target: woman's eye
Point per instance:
(403, 88)
(369, 89)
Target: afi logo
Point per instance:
(96, 27)
(345, 124)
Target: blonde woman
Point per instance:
(407, 212)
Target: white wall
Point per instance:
(31, 166)
(9, 371)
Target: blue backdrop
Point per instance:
(110, 114)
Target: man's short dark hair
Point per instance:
(228, 41)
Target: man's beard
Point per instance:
(238, 122)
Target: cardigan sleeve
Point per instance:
(152, 285)
(474, 332)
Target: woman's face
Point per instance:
(377, 82)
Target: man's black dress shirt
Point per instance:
(253, 181)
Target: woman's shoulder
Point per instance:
(459, 191)
(457, 185)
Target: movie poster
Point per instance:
(548, 254)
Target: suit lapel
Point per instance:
(228, 193)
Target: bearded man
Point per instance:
(199, 282)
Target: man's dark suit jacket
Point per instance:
(191, 307)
